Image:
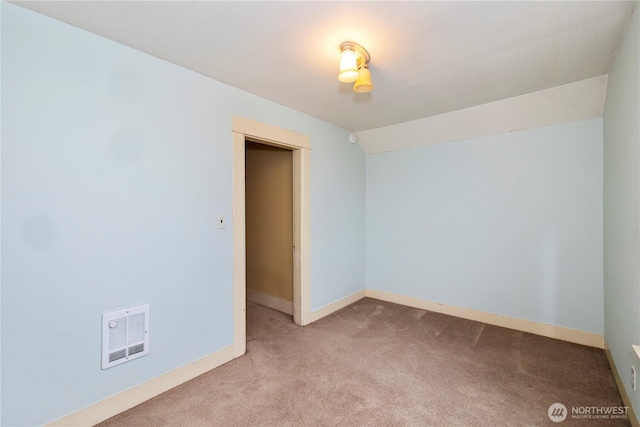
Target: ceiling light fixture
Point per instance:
(354, 67)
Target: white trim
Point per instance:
(636, 349)
(105, 409)
(575, 101)
(243, 128)
(337, 305)
(267, 133)
(623, 391)
(552, 331)
(270, 301)
(239, 248)
(302, 237)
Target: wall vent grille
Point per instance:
(125, 335)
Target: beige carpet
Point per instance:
(381, 364)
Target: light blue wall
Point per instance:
(115, 165)
(508, 224)
(622, 207)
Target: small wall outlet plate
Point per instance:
(221, 223)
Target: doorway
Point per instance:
(243, 130)
(269, 225)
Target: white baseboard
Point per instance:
(552, 331)
(337, 305)
(270, 301)
(623, 391)
(114, 405)
(98, 412)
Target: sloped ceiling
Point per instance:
(575, 101)
(427, 58)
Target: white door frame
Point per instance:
(300, 144)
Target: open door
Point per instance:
(242, 129)
(269, 225)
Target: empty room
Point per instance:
(320, 213)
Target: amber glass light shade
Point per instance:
(363, 84)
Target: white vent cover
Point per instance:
(125, 335)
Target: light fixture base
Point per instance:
(361, 53)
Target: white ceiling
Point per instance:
(427, 58)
